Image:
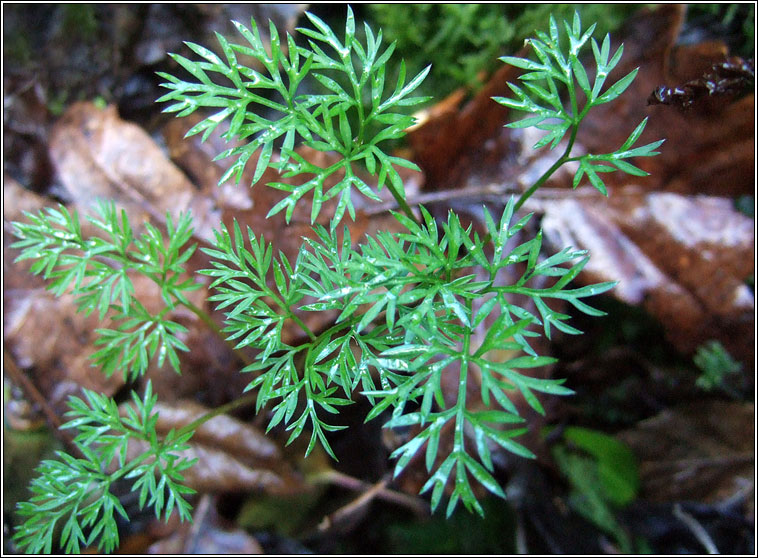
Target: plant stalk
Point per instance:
(549, 172)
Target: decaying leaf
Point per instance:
(47, 336)
(703, 451)
(207, 535)
(232, 456)
(42, 333)
(684, 258)
(97, 155)
(449, 145)
(709, 149)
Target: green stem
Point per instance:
(460, 414)
(549, 172)
(302, 326)
(402, 203)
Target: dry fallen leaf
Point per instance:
(684, 258)
(709, 149)
(702, 451)
(97, 155)
(42, 333)
(47, 337)
(232, 455)
(207, 534)
(449, 145)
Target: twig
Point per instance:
(696, 528)
(198, 519)
(521, 546)
(378, 490)
(31, 391)
(351, 508)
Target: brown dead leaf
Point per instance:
(702, 452)
(248, 204)
(684, 258)
(17, 200)
(709, 149)
(450, 143)
(232, 455)
(98, 155)
(207, 534)
(44, 334)
(47, 337)
(224, 432)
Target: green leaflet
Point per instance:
(405, 316)
(541, 97)
(349, 70)
(63, 492)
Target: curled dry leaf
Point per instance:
(226, 433)
(729, 78)
(232, 456)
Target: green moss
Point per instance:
(80, 20)
(463, 41)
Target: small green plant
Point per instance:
(601, 482)
(410, 305)
(718, 368)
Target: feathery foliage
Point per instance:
(75, 491)
(558, 71)
(348, 69)
(414, 310)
